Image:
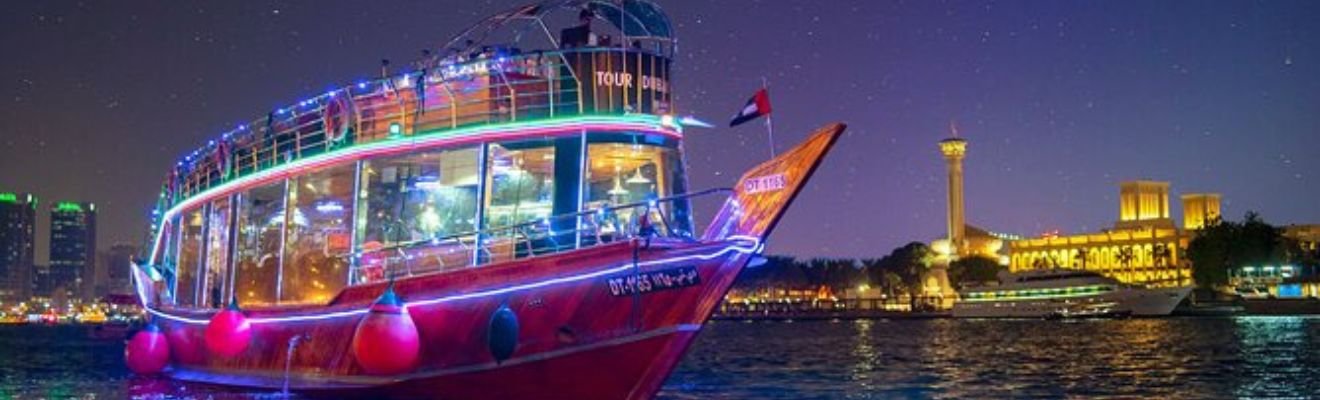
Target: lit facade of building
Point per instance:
(72, 248)
(1144, 247)
(1143, 204)
(1199, 209)
(18, 221)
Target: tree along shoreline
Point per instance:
(897, 274)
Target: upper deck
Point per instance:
(480, 88)
(491, 95)
(487, 152)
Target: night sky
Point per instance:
(1060, 100)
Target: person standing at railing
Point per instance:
(581, 35)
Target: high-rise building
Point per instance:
(73, 248)
(18, 221)
(114, 267)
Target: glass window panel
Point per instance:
(190, 253)
(623, 169)
(520, 184)
(319, 235)
(624, 173)
(260, 222)
(217, 253)
(170, 257)
(417, 197)
(679, 211)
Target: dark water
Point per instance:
(1248, 357)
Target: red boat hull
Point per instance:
(579, 338)
(630, 367)
(608, 321)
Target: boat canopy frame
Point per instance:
(639, 20)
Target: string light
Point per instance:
(742, 245)
(562, 125)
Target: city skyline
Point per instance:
(1050, 99)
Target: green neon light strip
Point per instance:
(641, 122)
(8, 198)
(67, 206)
(1037, 294)
(650, 122)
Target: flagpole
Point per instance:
(769, 122)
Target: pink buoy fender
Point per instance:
(148, 351)
(229, 332)
(386, 341)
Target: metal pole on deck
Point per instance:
(769, 122)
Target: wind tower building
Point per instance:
(1144, 247)
(1199, 209)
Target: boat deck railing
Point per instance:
(488, 87)
(658, 218)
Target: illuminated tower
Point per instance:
(1199, 209)
(1143, 204)
(935, 278)
(953, 149)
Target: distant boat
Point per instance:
(1063, 293)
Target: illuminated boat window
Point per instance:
(319, 232)
(521, 182)
(419, 196)
(621, 170)
(416, 197)
(170, 256)
(190, 253)
(217, 254)
(260, 232)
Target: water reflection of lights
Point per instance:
(863, 352)
(1272, 350)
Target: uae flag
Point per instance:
(757, 106)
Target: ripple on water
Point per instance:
(1247, 357)
(1175, 357)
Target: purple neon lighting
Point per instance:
(746, 245)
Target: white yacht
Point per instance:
(1064, 293)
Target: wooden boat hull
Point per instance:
(606, 321)
(588, 318)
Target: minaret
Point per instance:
(954, 148)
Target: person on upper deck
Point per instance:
(580, 35)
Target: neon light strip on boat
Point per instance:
(636, 122)
(1038, 294)
(746, 245)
